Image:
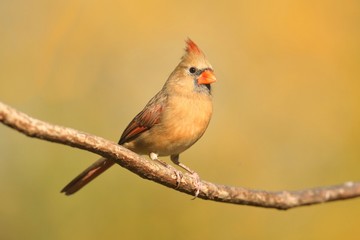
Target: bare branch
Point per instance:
(153, 171)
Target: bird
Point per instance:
(171, 122)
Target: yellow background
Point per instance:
(287, 114)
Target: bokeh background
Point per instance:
(287, 114)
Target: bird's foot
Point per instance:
(178, 174)
(197, 183)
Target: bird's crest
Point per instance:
(194, 56)
(191, 47)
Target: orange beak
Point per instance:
(206, 77)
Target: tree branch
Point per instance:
(153, 171)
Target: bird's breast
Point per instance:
(183, 121)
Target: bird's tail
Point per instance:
(87, 175)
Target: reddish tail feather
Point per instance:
(87, 176)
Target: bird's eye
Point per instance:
(192, 70)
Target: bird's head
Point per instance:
(194, 72)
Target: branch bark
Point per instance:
(153, 171)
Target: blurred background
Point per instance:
(287, 114)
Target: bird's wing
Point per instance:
(146, 119)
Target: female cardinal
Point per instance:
(173, 120)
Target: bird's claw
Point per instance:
(178, 175)
(197, 183)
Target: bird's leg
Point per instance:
(154, 157)
(175, 159)
(178, 174)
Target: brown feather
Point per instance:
(147, 118)
(87, 175)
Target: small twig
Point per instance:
(151, 170)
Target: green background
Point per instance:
(287, 114)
